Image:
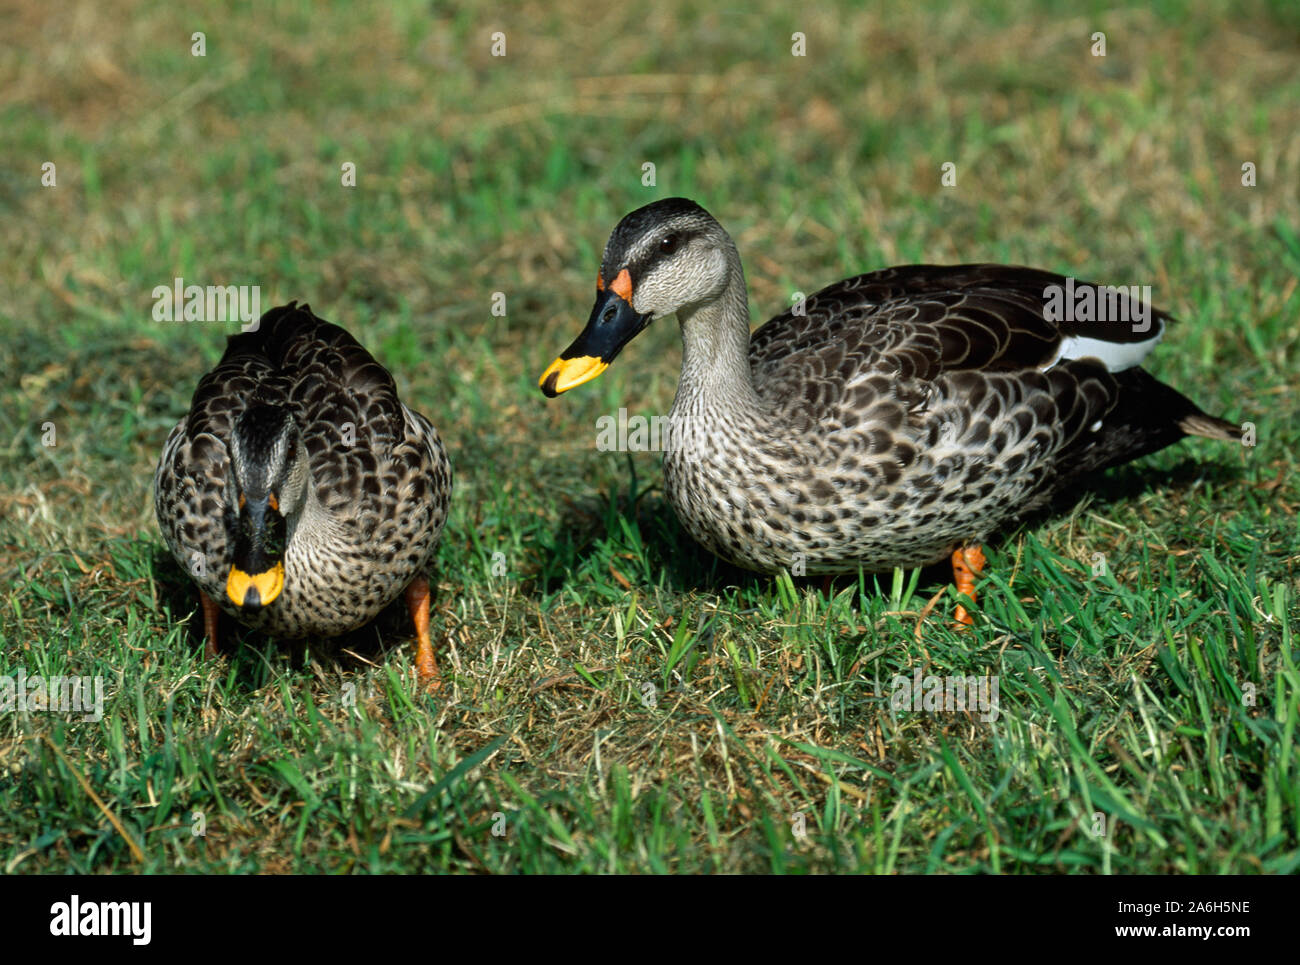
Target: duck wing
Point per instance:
(978, 357)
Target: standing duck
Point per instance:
(299, 493)
(897, 418)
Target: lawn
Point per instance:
(615, 699)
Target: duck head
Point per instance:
(664, 257)
(265, 488)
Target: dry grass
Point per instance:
(479, 174)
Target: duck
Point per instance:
(899, 418)
(299, 493)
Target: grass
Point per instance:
(615, 699)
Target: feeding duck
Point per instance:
(893, 419)
(299, 493)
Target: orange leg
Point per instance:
(417, 601)
(967, 563)
(211, 613)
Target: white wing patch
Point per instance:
(1116, 356)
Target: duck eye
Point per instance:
(670, 243)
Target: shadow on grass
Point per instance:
(1130, 482)
(255, 657)
(619, 531)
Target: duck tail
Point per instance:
(1210, 427)
(1147, 416)
(1162, 408)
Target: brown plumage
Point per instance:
(297, 445)
(891, 419)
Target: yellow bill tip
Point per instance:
(565, 374)
(266, 585)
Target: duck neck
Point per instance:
(313, 530)
(715, 349)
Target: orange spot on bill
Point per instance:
(622, 286)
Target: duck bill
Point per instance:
(257, 574)
(613, 323)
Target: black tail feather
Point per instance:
(1147, 416)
